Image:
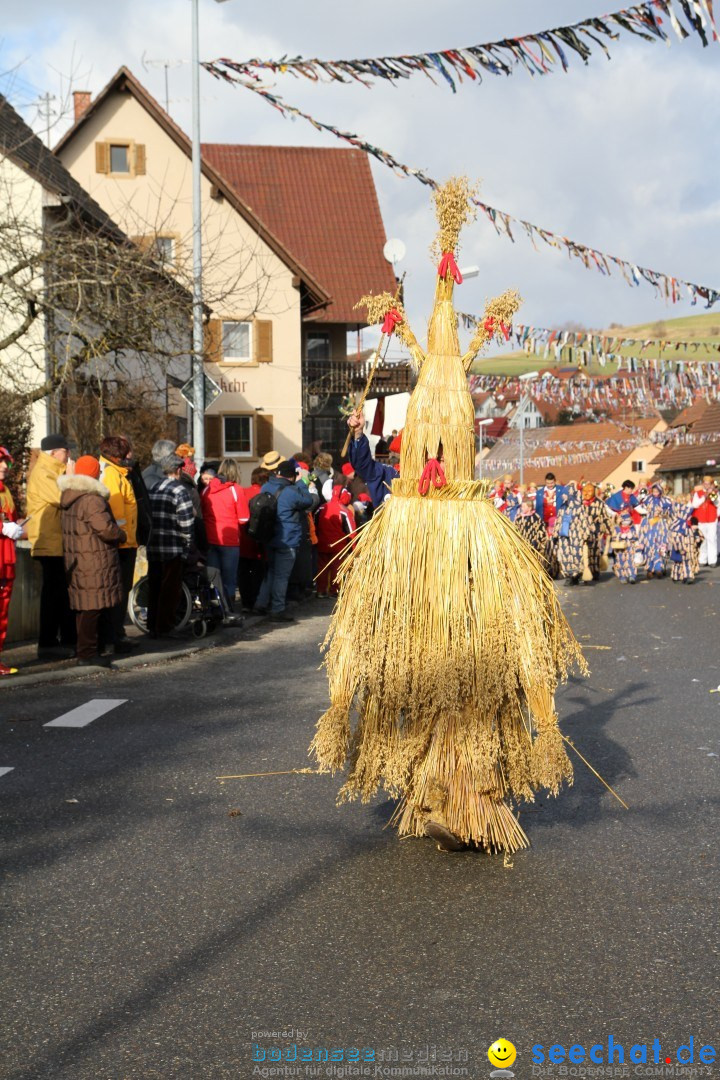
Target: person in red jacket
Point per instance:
(225, 510)
(335, 523)
(253, 563)
(10, 531)
(705, 510)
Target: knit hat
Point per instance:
(271, 460)
(54, 442)
(87, 465)
(184, 450)
(5, 455)
(347, 469)
(285, 469)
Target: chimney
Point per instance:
(81, 102)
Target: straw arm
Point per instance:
(495, 323)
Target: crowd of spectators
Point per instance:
(259, 547)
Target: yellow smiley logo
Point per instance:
(502, 1054)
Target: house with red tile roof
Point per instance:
(603, 453)
(695, 450)
(292, 238)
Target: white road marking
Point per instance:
(5, 769)
(85, 714)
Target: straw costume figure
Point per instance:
(447, 640)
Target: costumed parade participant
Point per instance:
(530, 527)
(705, 510)
(573, 531)
(10, 533)
(685, 539)
(655, 530)
(601, 527)
(624, 543)
(448, 639)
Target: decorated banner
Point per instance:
(538, 340)
(649, 390)
(666, 286)
(540, 53)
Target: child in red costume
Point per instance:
(335, 523)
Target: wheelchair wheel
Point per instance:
(138, 601)
(199, 628)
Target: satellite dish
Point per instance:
(394, 251)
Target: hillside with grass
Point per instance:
(694, 329)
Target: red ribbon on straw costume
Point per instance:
(432, 475)
(392, 319)
(448, 265)
(489, 325)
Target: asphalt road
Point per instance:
(154, 919)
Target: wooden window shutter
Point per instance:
(213, 341)
(139, 159)
(213, 437)
(263, 341)
(102, 157)
(264, 434)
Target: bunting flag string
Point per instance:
(650, 390)
(583, 452)
(666, 286)
(540, 53)
(538, 340)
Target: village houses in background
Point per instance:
(292, 238)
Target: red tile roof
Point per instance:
(323, 206)
(692, 415)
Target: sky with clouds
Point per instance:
(622, 155)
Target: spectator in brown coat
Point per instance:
(91, 538)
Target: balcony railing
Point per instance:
(349, 376)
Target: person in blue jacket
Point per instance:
(294, 498)
(623, 499)
(377, 476)
(548, 500)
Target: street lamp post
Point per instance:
(481, 424)
(527, 377)
(198, 370)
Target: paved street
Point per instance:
(154, 917)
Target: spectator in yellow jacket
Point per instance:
(114, 451)
(57, 635)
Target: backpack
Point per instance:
(263, 517)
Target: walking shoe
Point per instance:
(259, 611)
(93, 661)
(125, 645)
(5, 670)
(282, 616)
(233, 620)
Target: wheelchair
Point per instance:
(199, 604)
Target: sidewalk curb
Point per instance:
(127, 663)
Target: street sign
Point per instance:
(212, 391)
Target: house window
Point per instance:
(237, 436)
(318, 346)
(236, 341)
(165, 247)
(119, 158)
(638, 466)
